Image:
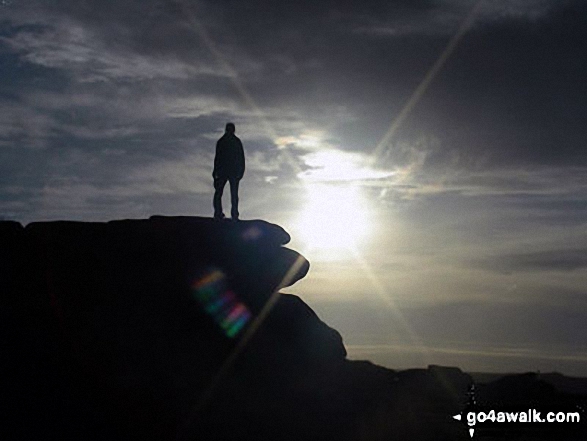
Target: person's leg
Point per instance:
(234, 198)
(219, 184)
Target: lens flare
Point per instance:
(221, 303)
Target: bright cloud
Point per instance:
(336, 165)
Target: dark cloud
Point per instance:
(157, 80)
(512, 93)
(549, 260)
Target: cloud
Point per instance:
(539, 184)
(81, 51)
(24, 125)
(444, 17)
(475, 113)
(331, 165)
(570, 259)
(155, 80)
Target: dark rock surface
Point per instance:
(122, 330)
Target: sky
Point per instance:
(427, 156)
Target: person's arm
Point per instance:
(241, 157)
(216, 161)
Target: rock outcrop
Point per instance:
(170, 328)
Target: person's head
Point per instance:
(230, 128)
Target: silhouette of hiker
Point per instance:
(229, 165)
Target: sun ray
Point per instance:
(425, 83)
(234, 78)
(383, 293)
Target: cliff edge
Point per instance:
(175, 328)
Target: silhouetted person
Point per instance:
(229, 165)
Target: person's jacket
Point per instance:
(229, 161)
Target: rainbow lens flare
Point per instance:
(221, 303)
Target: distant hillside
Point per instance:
(563, 383)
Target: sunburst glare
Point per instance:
(334, 219)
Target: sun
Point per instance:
(334, 220)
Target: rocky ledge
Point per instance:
(175, 328)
